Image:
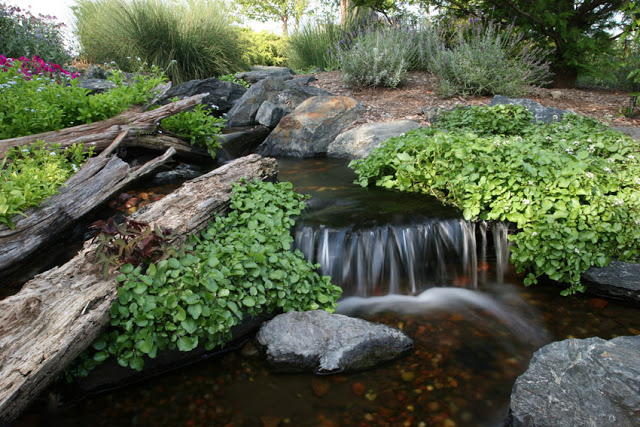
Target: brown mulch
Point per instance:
(420, 90)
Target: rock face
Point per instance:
(271, 89)
(590, 382)
(270, 114)
(259, 72)
(619, 280)
(541, 114)
(357, 143)
(311, 127)
(222, 95)
(244, 111)
(326, 343)
(96, 85)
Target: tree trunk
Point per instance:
(565, 77)
(60, 312)
(345, 10)
(101, 134)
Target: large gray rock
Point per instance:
(260, 72)
(589, 382)
(244, 111)
(222, 95)
(541, 114)
(301, 81)
(309, 129)
(632, 131)
(620, 280)
(357, 143)
(238, 144)
(270, 114)
(326, 343)
(96, 85)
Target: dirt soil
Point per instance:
(420, 90)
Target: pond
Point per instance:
(404, 260)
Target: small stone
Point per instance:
(598, 303)
(371, 395)
(131, 202)
(368, 417)
(320, 386)
(556, 94)
(268, 421)
(249, 350)
(634, 331)
(358, 389)
(433, 406)
(408, 376)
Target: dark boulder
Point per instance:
(589, 382)
(309, 129)
(244, 111)
(324, 343)
(96, 85)
(619, 280)
(222, 95)
(260, 72)
(270, 114)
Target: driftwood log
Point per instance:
(95, 183)
(100, 134)
(60, 312)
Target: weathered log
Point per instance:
(183, 149)
(60, 312)
(95, 183)
(100, 134)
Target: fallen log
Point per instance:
(96, 182)
(60, 312)
(100, 134)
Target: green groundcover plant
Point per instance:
(42, 104)
(28, 175)
(198, 127)
(571, 188)
(240, 265)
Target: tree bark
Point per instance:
(100, 134)
(565, 77)
(60, 312)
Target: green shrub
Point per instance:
(241, 265)
(28, 175)
(197, 126)
(572, 189)
(310, 47)
(41, 104)
(486, 59)
(263, 48)
(233, 79)
(24, 34)
(498, 120)
(192, 40)
(380, 57)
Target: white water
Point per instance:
(405, 259)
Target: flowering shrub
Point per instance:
(23, 33)
(31, 174)
(37, 66)
(570, 188)
(485, 59)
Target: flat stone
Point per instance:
(309, 129)
(260, 72)
(541, 114)
(589, 382)
(359, 142)
(632, 131)
(620, 280)
(96, 85)
(324, 343)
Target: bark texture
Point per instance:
(59, 313)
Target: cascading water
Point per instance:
(404, 259)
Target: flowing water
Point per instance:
(404, 260)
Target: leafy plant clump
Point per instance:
(572, 189)
(233, 79)
(198, 126)
(501, 119)
(240, 265)
(42, 104)
(131, 242)
(31, 174)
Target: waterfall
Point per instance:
(407, 258)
